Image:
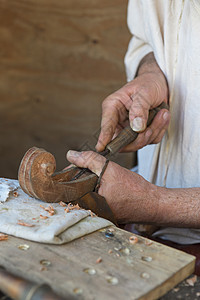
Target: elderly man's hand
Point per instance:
(131, 104)
(130, 196)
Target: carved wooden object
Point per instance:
(37, 178)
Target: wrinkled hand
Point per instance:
(131, 104)
(127, 193)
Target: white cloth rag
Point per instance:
(17, 208)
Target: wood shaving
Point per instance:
(133, 239)
(72, 207)
(148, 242)
(92, 214)
(110, 251)
(25, 224)
(43, 217)
(51, 212)
(3, 237)
(43, 269)
(191, 281)
(15, 194)
(99, 260)
(62, 203)
(42, 206)
(50, 209)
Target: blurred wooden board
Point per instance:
(140, 271)
(58, 61)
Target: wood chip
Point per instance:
(3, 237)
(110, 251)
(43, 269)
(25, 224)
(51, 212)
(92, 214)
(67, 210)
(62, 203)
(133, 239)
(74, 207)
(15, 194)
(50, 209)
(191, 281)
(99, 260)
(148, 242)
(42, 206)
(43, 217)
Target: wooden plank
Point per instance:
(58, 61)
(127, 271)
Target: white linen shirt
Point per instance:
(171, 29)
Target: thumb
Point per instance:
(87, 159)
(138, 113)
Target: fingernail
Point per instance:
(138, 124)
(72, 153)
(166, 115)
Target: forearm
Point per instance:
(175, 207)
(179, 207)
(148, 64)
(134, 199)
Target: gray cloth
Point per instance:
(17, 207)
(182, 236)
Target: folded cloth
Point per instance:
(26, 217)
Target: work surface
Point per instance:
(102, 265)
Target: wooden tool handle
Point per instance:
(21, 289)
(127, 135)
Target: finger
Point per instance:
(87, 159)
(153, 134)
(119, 128)
(139, 111)
(142, 140)
(159, 126)
(112, 111)
(158, 139)
(108, 125)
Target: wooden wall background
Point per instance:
(58, 60)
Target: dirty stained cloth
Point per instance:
(170, 29)
(17, 208)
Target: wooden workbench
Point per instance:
(102, 265)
